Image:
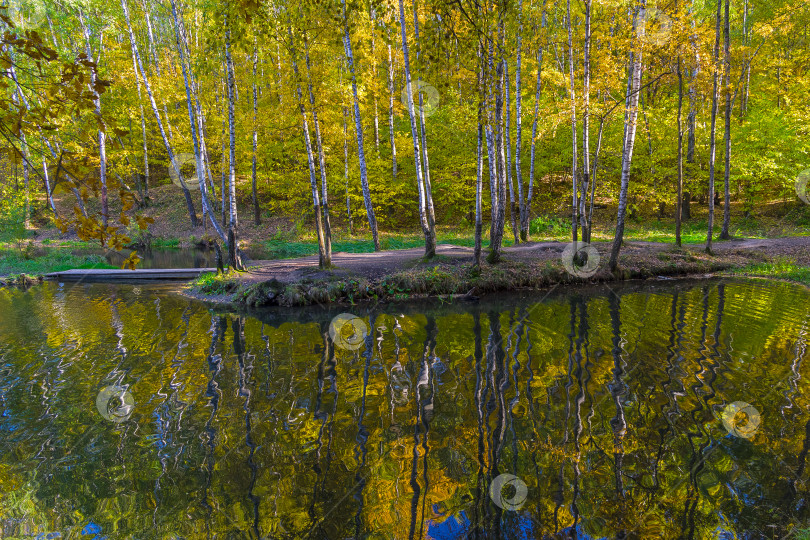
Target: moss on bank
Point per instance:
(784, 268)
(453, 281)
(35, 261)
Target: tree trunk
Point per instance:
(538, 87)
(679, 198)
(430, 245)
(508, 145)
(479, 168)
(102, 135)
(572, 95)
(431, 214)
(374, 78)
(46, 179)
(630, 132)
(222, 170)
(586, 89)
(500, 151)
(26, 183)
(391, 115)
(233, 219)
(492, 161)
(524, 212)
(198, 156)
(346, 170)
(358, 126)
(145, 194)
(713, 132)
(324, 245)
(746, 40)
(724, 233)
(257, 218)
(594, 168)
(326, 225)
(166, 143)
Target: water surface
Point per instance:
(606, 403)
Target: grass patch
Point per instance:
(282, 248)
(542, 229)
(211, 283)
(781, 268)
(38, 261)
(166, 243)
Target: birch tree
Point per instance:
(193, 125)
(327, 226)
(430, 238)
(630, 128)
(233, 220)
(524, 209)
(724, 233)
(431, 215)
(572, 96)
(584, 220)
(500, 150)
(324, 258)
(391, 133)
(257, 218)
(538, 88)
(713, 130)
(166, 143)
(102, 135)
(358, 125)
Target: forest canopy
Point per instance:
(393, 114)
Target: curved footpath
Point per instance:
(402, 274)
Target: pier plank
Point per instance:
(115, 274)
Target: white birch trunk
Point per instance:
(630, 131)
(572, 94)
(391, 115)
(713, 130)
(430, 247)
(358, 126)
(524, 214)
(327, 225)
(167, 144)
(198, 155)
(313, 182)
(102, 135)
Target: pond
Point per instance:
(673, 409)
(158, 257)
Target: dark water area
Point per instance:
(158, 257)
(651, 410)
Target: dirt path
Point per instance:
(634, 254)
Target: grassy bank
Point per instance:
(35, 261)
(782, 268)
(451, 280)
(298, 243)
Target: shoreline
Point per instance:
(451, 276)
(404, 275)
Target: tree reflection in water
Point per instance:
(606, 404)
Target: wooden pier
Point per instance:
(115, 274)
